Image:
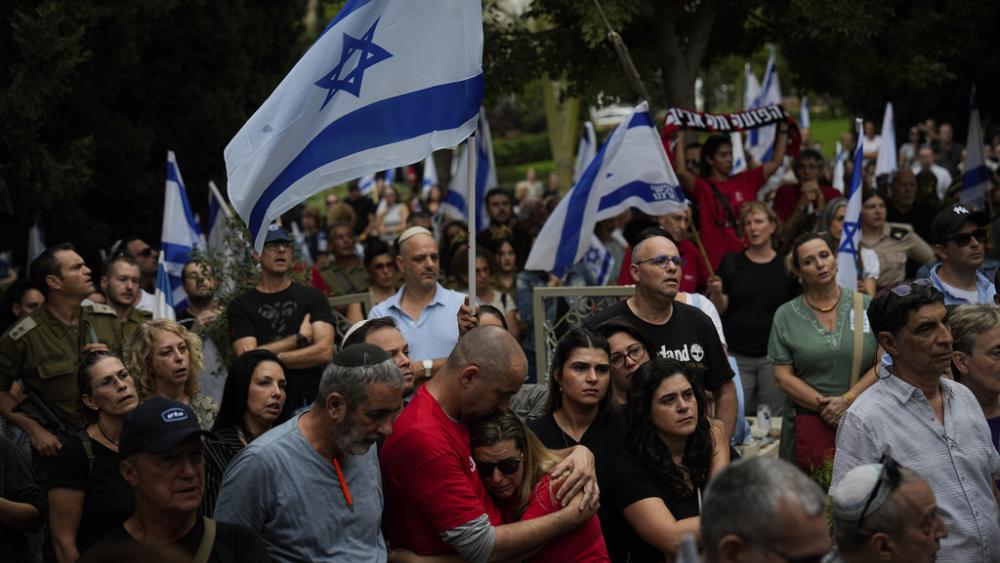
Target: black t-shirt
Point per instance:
(633, 482)
(755, 293)
(272, 316)
(363, 207)
(17, 485)
(108, 499)
(919, 217)
(233, 543)
(688, 337)
(518, 234)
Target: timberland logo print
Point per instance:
(694, 353)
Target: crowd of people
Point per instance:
(427, 433)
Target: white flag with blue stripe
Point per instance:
(455, 205)
(384, 85)
(180, 234)
(839, 156)
(751, 86)
(586, 151)
(630, 170)
(761, 139)
(850, 240)
(976, 178)
(163, 304)
(804, 113)
(598, 260)
(739, 156)
(430, 175)
(886, 161)
(366, 183)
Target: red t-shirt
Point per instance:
(585, 543)
(788, 195)
(718, 237)
(694, 275)
(430, 479)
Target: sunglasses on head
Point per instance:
(903, 289)
(889, 476)
(963, 239)
(506, 466)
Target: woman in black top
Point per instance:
(88, 498)
(749, 288)
(671, 450)
(251, 402)
(629, 348)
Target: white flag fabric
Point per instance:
(384, 85)
(180, 234)
(886, 161)
(761, 139)
(630, 170)
(455, 204)
(739, 156)
(36, 242)
(976, 177)
(598, 260)
(430, 175)
(850, 240)
(838, 168)
(585, 151)
(804, 113)
(163, 304)
(751, 87)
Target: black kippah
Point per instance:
(360, 354)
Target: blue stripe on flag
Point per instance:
(976, 176)
(455, 200)
(173, 175)
(570, 239)
(176, 253)
(641, 190)
(450, 106)
(641, 119)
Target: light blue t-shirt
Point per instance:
(435, 333)
(280, 487)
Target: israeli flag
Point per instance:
(455, 205)
(630, 170)
(36, 242)
(850, 240)
(976, 178)
(430, 175)
(180, 234)
(384, 85)
(839, 156)
(739, 157)
(586, 151)
(390, 176)
(366, 183)
(886, 161)
(163, 304)
(762, 138)
(598, 260)
(751, 87)
(804, 113)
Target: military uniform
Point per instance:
(894, 245)
(135, 318)
(44, 354)
(344, 281)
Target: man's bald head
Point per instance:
(652, 246)
(490, 368)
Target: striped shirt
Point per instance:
(957, 459)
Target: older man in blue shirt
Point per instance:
(425, 312)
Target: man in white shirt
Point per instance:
(925, 161)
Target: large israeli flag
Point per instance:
(455, 204)
(976, 178)
(850, 239)
(630, 170)
(586, 151)
(886, 161)
(761, 139)
(180, 234)
(386, 83)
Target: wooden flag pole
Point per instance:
(222, 201)
(701, 249)
(471, 209)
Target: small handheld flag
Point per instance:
(886, 161)
(455, 200)
(850, 239)
(976, 178)
(180, 234)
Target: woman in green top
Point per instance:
(812, 348)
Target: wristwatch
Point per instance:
(428, 364)
(301, 341)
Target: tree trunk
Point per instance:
(562, 119)
(681, 55)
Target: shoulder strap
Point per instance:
(730, 215)
(859, 326)
(207, 541)
(88, 449)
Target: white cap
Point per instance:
(412, 232)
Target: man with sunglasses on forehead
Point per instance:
(676, 330)
(927, 421)
(885, 512)
(959, 238)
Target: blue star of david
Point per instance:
(371, 54)
(592, 255)
(847, 240)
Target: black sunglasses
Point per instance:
(963, 239)
(506, 466)
(902, 289)
(889, 476)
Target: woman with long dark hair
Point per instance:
(671, 450)
(629, 349)
(251, 404)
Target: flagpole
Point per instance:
(623, 56)
(471, 206)
(858, 263)
(222, 201)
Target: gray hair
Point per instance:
(888, 518)
(756, 487)
(352, 382)
(969, 321)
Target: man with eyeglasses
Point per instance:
(764, 510)
(959, 238)
(676, 330)
(927, 421)
(884, 512)
(291, 320)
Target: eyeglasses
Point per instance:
(815, 558)
(663, 261)
(634, 352)
(506, 466)
(902, 289)
(889, 475)
(963, 239)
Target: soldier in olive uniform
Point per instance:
(121, 287)
(344, 273)
(894, 243)
(43, 350)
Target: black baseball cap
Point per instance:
(950, 220)
(157, 426)
(275, 233)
